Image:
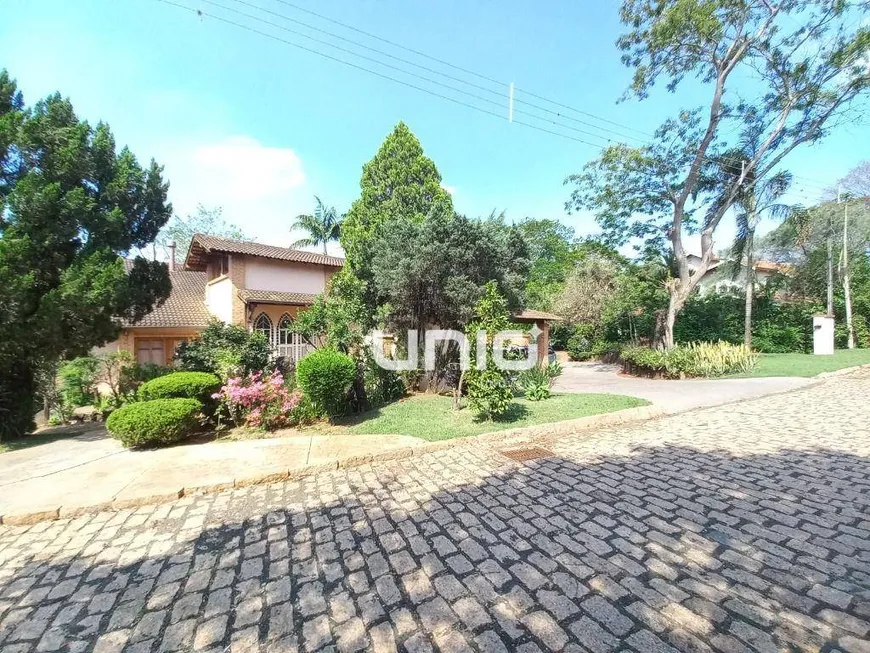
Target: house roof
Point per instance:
(185, 306)
(274, 297)
(531, 314)
(771, 266)
(202, 245)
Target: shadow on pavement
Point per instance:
(668, 547)
(84, 432)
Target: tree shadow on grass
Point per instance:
(514, 413)
(668, 548)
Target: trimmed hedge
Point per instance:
(181, 385)
(325, 377)
(160, 421)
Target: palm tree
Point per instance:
(755, 199)
(323, 227)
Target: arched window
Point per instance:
(264, 325)
(285, 330)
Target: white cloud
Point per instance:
(242, 168)
(449, 189)
(259, 188)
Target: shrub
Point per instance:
(705, 359)
(489, 393)
(579, 345)
(160, 421)
(561, 334)
(226, 350)
(78, 381)
(304, 412)
(135, 375)
(325, 377)
(258, 401)
(182, 385)
(582, 346)
(536, 382)
(381, 386)
(719, 358)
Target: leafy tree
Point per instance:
(806, 231)
(323, 226)
(755, 199)
(857, 182)
(489, 390)
(70, 207)
(807, 61)
(431, 273)
(589, 289)
(338, 317)
(400, 182)
(552, 251)
(202, 221)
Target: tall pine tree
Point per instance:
(71, 207)
(399, 182)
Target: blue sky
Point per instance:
(257, 127)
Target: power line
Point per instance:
(406, 72)
(287, 3)
(500, 94)
(709, 159)
(254, 30)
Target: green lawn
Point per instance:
(431, 417)
(807, 364)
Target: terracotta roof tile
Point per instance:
(185, 306)
(531, 314)
(274, 297)
(202, 245)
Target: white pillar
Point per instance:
(823, 335)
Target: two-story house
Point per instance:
(719, 278)
(260, 287)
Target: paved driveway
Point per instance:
(673, 396)
(740, 528)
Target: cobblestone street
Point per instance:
(738, 528)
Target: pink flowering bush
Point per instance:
(257, 401)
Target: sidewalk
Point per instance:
(92, 471)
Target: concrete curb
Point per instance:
(495, 440)
(842, 372)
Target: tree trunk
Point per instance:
(847, 287)
(457, 391)
(665, 321)
(830, 246)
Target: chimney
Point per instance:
(172, 256)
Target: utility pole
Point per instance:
(847, 289)
(750, 267)
(830, 266)
(511, 103)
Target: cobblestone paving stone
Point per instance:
(738, 528)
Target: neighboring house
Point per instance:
(719, 278)
(260, 287)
